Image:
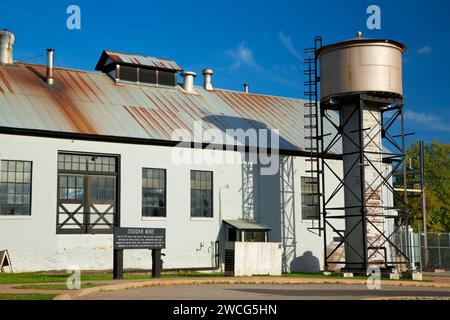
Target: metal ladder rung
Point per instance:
(313, 171)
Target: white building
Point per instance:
(90, 150)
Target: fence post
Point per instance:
(419, 235)
(439, 250)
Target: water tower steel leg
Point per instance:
(367, 158)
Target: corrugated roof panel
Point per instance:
(92, 103)
(241, 224)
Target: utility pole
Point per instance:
(424, 205)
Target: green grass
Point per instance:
(192, 275)
(54, 286)
(27, 296)
(443, 275)
(26, 278)
(320, 276)
(30, 278)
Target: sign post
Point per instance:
(138, 238)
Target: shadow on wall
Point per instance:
(306, 263)
(262, 198)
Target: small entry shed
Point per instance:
(246, 231)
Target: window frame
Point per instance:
(212, 194)
(142, 193)
(302, 194)
(31, 188)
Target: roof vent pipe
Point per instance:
(7, 40)
(50, 66)
(207, 79)
(246, 86)
(188, 84)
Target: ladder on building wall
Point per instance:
(311, 132)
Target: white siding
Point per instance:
(34, 245)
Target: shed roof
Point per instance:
(136, 60)
(241, 224)
(91, 103)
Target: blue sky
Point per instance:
(260, 42)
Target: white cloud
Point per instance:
(427, 122)
(243, 56)
(287, 43)
(425, 50)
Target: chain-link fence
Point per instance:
(413, 244)
(438, 250)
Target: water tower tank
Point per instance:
(361, 65)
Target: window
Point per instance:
(310, 200)
(102, 188)
(167, 78)
(201, 194)
(254, 236)
(15, 188)
(128, 74)
(153, 192)
(71, 187)
(147, 76)
(150, 76)
(87, 186)
(86, 163)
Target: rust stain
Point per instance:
(89, 88)
(66, 106)
(145, 114)
(156, 126)
(236, 108)
(71, 112)
(137, 121)
(6, 82)
(150, 121)
(73, 83)
(171, 104)
(141, 112)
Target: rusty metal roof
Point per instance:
(137, 60)
(93, 103)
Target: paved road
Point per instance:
(267, 292)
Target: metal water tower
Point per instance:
(361, 102)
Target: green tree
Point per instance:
(437, 185)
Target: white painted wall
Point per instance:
(255, 258)
(34, 245)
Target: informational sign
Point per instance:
(139, 238)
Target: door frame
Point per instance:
(117, 216)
